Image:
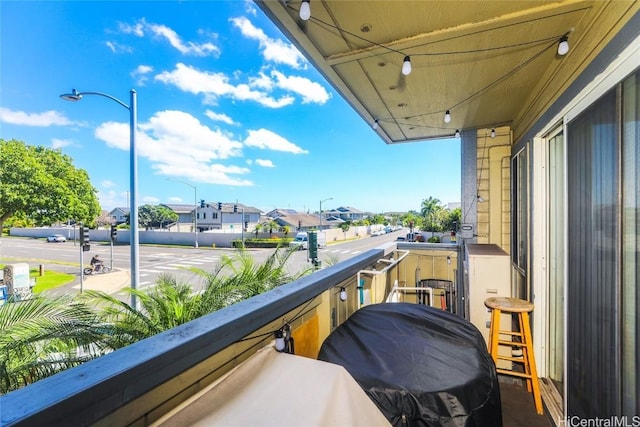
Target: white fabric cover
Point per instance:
(279, 389)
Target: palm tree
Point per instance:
(271, 225)
(247, 278)
(42, 336)
(430, 209)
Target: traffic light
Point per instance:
(202, 204)
(313, 245)
(84, 239)
(114, 233)
(299, 225)
(235, 208)
(246, 225)
(219, 206)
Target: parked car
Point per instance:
(56, 238)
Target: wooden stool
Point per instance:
(522, 308)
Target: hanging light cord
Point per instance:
(482, 90)
(296, 317)
(370, 43)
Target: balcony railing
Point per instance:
(142, 382)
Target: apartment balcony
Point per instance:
(140, 384)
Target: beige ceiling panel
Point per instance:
(489, 62)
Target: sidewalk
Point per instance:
(110, 283)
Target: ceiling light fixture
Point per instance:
(563, 45)
(343, 294)
(493, 133)
(375, 125)
(457, 134)
(406, 66)
(447, 117)
(305, 10)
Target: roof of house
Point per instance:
(179, 208)
(280, 212)
(228, 207)
(123, 210)
(303, 220)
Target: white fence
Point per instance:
(210, 238)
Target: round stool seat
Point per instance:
(509, 305)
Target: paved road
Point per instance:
(155, 260)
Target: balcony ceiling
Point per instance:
(491, 63)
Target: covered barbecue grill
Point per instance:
(418, 364)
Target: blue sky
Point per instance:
(225, 104)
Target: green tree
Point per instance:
(169, 303)
(271, 225)
(378, 219)
(43, 185)
(431, 209)
(453, 220)
(42, 336)
(155, 216)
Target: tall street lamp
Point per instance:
(195, 209)
(330, 198)
(133, 166)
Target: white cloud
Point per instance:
(107, 184)
(48, 118)
(273, 50)
(140, 74)
(142, 69)
(188, 48)
(219, 117)
(310, 91)
(178, 145)
(110, 199)
(265, 163)
(265, 139)
(195, 81)
(176, 200)
(118, 48)
(262, 82)
(141, 28)
(60, 143)
(210, 174)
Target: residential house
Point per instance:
(232, 217)
(119, 215)
(296, 221)
(185, 221)
(345, 213)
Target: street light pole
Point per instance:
(195, 210)
(133, 174)
(330, 198)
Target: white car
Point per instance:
(56, 238)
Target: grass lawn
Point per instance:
(50, 280)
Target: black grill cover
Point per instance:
(423, 363)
